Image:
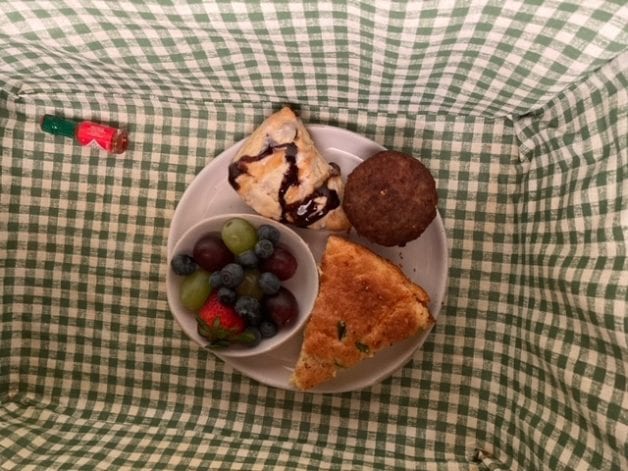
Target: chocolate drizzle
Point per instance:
(291, 177)
(241, 166)
(307, 211)
(303, 212)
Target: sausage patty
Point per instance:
(390, 198)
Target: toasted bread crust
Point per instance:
(365, 304)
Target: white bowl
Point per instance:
(303, 284)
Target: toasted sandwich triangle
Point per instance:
(365, 304)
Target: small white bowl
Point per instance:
(303, 284)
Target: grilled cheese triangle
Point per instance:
(365, 304)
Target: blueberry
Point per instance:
(226, 296)
(268, 232)
(232, 275)
(269, 283)
(268, 329)
(248, 259)
(183, 265)
(247, 303)
(252, 319)
(249, 309)
(215, 280)
(264, 248)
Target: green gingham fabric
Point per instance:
(489, 58)
(519, 109)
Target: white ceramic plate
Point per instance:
(423, 260)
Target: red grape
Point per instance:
(281, 263)
(211, 253)
(282, 308)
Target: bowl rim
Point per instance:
(265, 345)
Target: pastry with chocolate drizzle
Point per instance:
(280, 174)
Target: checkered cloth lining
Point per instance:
(491, 58)
(525, 370)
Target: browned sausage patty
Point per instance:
(390, 198)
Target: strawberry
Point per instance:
(219, 323)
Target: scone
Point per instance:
(280, 174)
(365, 304)
(390, 198)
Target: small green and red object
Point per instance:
(87, 133)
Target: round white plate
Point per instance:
(423, 260)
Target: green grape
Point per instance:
(195, 289)
(250, 285)
(239, 235)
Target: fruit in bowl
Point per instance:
(241, 284)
